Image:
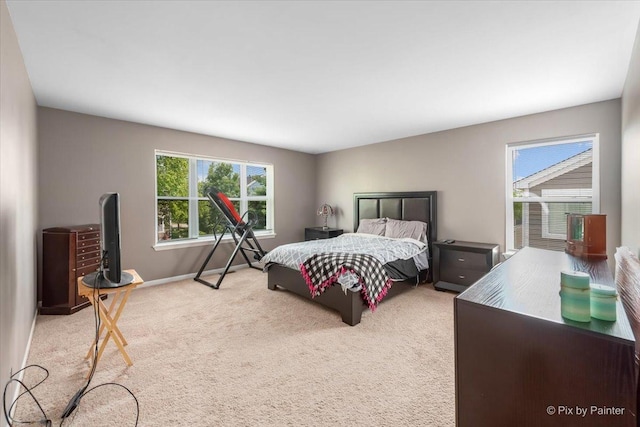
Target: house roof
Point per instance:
(555, 170)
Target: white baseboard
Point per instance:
(190, 276)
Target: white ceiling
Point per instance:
(322, 76)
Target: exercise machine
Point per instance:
(241, 230)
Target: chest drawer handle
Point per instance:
(460, 277)
(461, 259)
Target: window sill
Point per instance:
(203, 241)
(553, 236)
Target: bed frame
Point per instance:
(414, 206)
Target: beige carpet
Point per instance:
(247, 356)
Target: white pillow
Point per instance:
(372, 226)
(400, 229)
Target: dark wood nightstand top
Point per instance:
(323, 229)
(314, 233)
(466, 246)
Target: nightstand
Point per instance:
(315, 233)
(458, 265)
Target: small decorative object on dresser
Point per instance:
(67, 253)
(325, 211)
(315, 233)
(587, 235)
(458, 265)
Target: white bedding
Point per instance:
(385, 249)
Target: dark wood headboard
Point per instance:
(410, 206)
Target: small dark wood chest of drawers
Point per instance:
(458, 265)
(67, 253)
(315, 233)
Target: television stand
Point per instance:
(109, 316)
(98, 280)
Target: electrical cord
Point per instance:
(83, 391)
(28, 390)
(119, 385)
(75, 400)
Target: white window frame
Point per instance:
(510, 199)
(194, 238)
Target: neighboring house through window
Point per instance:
(183, 211)
(545, 181)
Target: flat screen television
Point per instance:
(110, 274)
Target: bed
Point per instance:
(405, 206)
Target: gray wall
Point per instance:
(467, 168)
(83, 156)
(18, 202)
(631, 153)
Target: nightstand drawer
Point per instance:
(467, 260)
(461, 276)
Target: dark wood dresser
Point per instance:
(67, 253)
(520, 363)
(315, 233)
(458, 265)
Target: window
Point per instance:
(183, 211)
(545, 181)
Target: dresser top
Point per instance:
(528, 283)
(73, 228)
(458, 244)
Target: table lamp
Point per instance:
(325, 211)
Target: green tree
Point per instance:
(257, 186)
(261, 188)
(173, 181)
(222, 177)
(517, 213)
(173, 176)
(517, 208)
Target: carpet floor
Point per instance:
(247, 356)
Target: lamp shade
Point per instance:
(325, 211)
